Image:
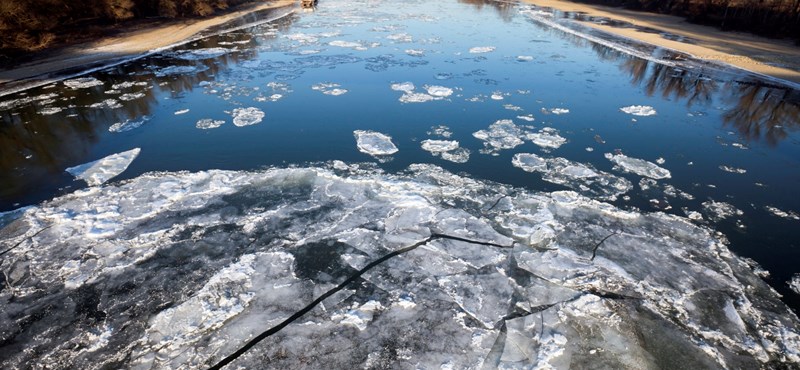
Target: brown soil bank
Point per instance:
(125, 45)
(775, 58)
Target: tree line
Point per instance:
(28, 25)
(771, 18)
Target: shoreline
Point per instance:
(735, 49)
(106, 52)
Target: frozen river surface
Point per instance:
(402, 185)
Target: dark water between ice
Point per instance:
(707, 120)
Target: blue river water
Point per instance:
(724, 135)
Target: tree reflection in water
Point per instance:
(759, 112)
(36, 148)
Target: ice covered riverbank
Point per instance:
(178, 270)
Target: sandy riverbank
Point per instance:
(126, 45)
(738, 49)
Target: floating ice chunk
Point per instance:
(732, 169)
(406, 87)
(128, 84)
(400, 37)
(439, 146)
(82, 83)
(639, 110)
(104, 169)
(577, 176)
(502, 134)
(439, 91)
(347, 44)
(559, 111)
(106, 104)
(481, 49)
(415, 52)
(460, 155)
(199, 54)
(527, 117)
(416, 98)
(247, 116)
(374, 143)
(302, 38)
(497, 96)
(179, 70)
(440, 130)
(547, 137)
(329, 88)
(512, 107)
(128, 124)
(335, 92)
(781, 213)
(448, 149)
(181, 111)
(208, 123)
(794, 283)
(720, 210)
(638, 166)
(524, 58)
(47, 111)
(131, 96)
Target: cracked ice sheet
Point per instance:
(183, 268)
(104, 169)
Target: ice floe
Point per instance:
(580, 177)
(347, 44)
(503, 134)
(481, 49)
(547, 137)
(794, 283)
(247, 116)
(329, 88)
(405, 87)
(374, 143)
(180, 70)
(104, 169)
(733, 169)
(178, 270)
(638, 166)
(181, 111)
(441, 130)
(82, 83)
(447, 149)
(639, 110)
(128, 124)
(200, 54)
(438, 91)
(720, 210)
(410, 96)
(208, 123)
(781, 213)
